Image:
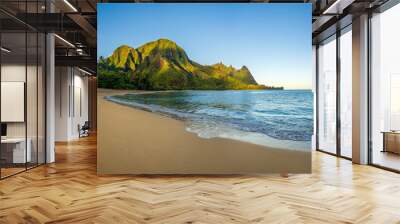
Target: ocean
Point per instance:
(274, 118)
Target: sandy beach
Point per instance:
(133, 141)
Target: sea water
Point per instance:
(275, 118)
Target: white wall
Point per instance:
(71, 102)
(62, 82)
(17, 73)
(13, 101)
(13, 72)
(33, 127)
(9, 73)
(80, 104)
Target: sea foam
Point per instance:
(278, 119)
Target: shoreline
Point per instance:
(234, 134)
(126, 146)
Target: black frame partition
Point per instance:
(339, 29)
(341, 79)
(337, 34)
(381, 9)
(27, 51)
(317, 91)
(338, 98)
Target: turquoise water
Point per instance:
(268, 116)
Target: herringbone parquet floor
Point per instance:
(69, 191)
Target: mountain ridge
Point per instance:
(164, 65)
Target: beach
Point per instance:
(134, 141)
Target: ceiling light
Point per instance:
(79, 51)
(65, 41)
(338, 6)
(5, 50)
(86, 72)
(70, 5)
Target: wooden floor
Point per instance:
(69, 191)
(5, 172)
(387, 159)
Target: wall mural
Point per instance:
(204, 88)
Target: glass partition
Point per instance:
(327, 95)
(385, 89)
(22, 88)
(14, 153)
(346, 93)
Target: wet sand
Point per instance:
(133, 141)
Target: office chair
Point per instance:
(84, 130)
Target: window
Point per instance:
(385, 89)
(346, 93)
(327, 95)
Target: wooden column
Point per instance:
(360, 89)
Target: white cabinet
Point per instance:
(19, 155)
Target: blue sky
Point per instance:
(272, 40)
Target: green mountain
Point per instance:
(163, 65)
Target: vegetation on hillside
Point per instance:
(163, 65)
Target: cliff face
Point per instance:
(163, 65)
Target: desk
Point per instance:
(391, 141)
(17, 151)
